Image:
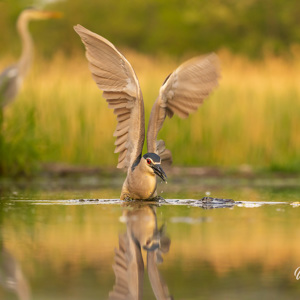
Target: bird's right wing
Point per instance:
(116, 78)
(182, 93)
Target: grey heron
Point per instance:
(11, 78)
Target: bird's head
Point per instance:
(152, 163)
(37, 14)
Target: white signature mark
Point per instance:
(297, 273)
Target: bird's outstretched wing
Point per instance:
(116, 78)
(182, 93)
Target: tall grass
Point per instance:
(252, 118)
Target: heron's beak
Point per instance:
(53, 14)
(48, 15)
(159, 172)
(153, 247)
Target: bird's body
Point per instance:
(11, 78)
(181, 93)
(140, 183)
(135, 183)
(10, 83)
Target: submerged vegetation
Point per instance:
(252, 119)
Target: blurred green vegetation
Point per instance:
(250, 27)
(251, 120)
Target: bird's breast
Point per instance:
(141, 186)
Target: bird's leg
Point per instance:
(126, 197)
(157, 199)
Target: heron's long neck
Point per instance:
(27, 45)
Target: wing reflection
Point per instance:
(142, 233)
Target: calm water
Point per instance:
(55, 246)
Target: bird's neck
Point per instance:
(27, 45)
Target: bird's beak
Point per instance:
(159, 172)
(54, 14)
(153, 247)
(48, 14)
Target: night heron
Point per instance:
(11, 78)
(181, 93)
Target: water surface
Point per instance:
(58, 242)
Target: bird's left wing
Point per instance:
(182, 93)
(116, 78)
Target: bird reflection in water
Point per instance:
(11, 275)
(142, 234)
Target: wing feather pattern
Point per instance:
(182, 93)
(115, 76)
(129, 271)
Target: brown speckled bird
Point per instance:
(181, 93)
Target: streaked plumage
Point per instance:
(11, 78)
(181, 93)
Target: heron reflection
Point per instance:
(142, 234)
(12, 277)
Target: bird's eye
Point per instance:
(148, 161)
